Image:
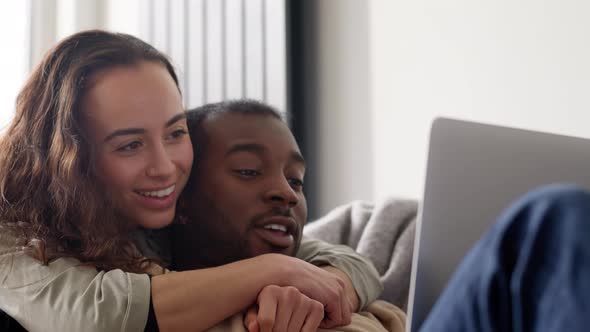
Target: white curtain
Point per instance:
(222, 49)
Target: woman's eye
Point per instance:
(130, 146)
(247, 172)
(178, 133)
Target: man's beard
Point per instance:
(213, 240)
(209, 239)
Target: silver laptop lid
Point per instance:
(474, 171)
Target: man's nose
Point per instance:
(281, 193)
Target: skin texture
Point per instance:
(284, 309)
(251, 176)
(139, 139)
(197, 299)
(134, 119)
(97, 118)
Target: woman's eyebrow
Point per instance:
(175, 119)
(135, 131)
(123, 132)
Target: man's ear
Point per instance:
(181, 220)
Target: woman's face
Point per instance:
(140, 144)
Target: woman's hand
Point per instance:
(323, 286)
(284, 309)
(178, 297)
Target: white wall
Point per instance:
(343, 101)
(519, 63)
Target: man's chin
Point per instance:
(269, 249)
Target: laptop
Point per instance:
(474, 172)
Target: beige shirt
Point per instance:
(66, 295)
(359, 269)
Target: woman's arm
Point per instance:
(199, 299)
(69, 296)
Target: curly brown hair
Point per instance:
(49, 192)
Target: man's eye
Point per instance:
(296, 183)
(247, 172)
(130, 146)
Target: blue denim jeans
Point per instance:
(530, 272)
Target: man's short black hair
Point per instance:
(196, 117)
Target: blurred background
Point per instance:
(360, 80)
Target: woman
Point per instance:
(98, 149)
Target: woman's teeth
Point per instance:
(158, 193)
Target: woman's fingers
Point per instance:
(346, 313)
(314, 317)
(308, 316)
(284, 309)
(290, 301)
(250, 319)
(299, 315)
(267, 308)
(325, 287)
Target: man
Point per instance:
(245, 197)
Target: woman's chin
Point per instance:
(155, 221)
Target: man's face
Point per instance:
(248, 190)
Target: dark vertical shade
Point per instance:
(301, 89)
